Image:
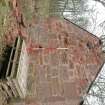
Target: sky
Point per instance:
(98, 15)
(95, 17)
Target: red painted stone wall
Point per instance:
(64, 60)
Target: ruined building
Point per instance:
(56, 67)
(64, 64)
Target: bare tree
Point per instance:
(101, 1)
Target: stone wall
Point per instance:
(65, 59)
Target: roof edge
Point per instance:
(81, 28)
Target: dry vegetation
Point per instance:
(4, 11)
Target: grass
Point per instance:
(30, 9)
(43, 8)
(35, 8)
(4, 11)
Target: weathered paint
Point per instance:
(64, 74)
